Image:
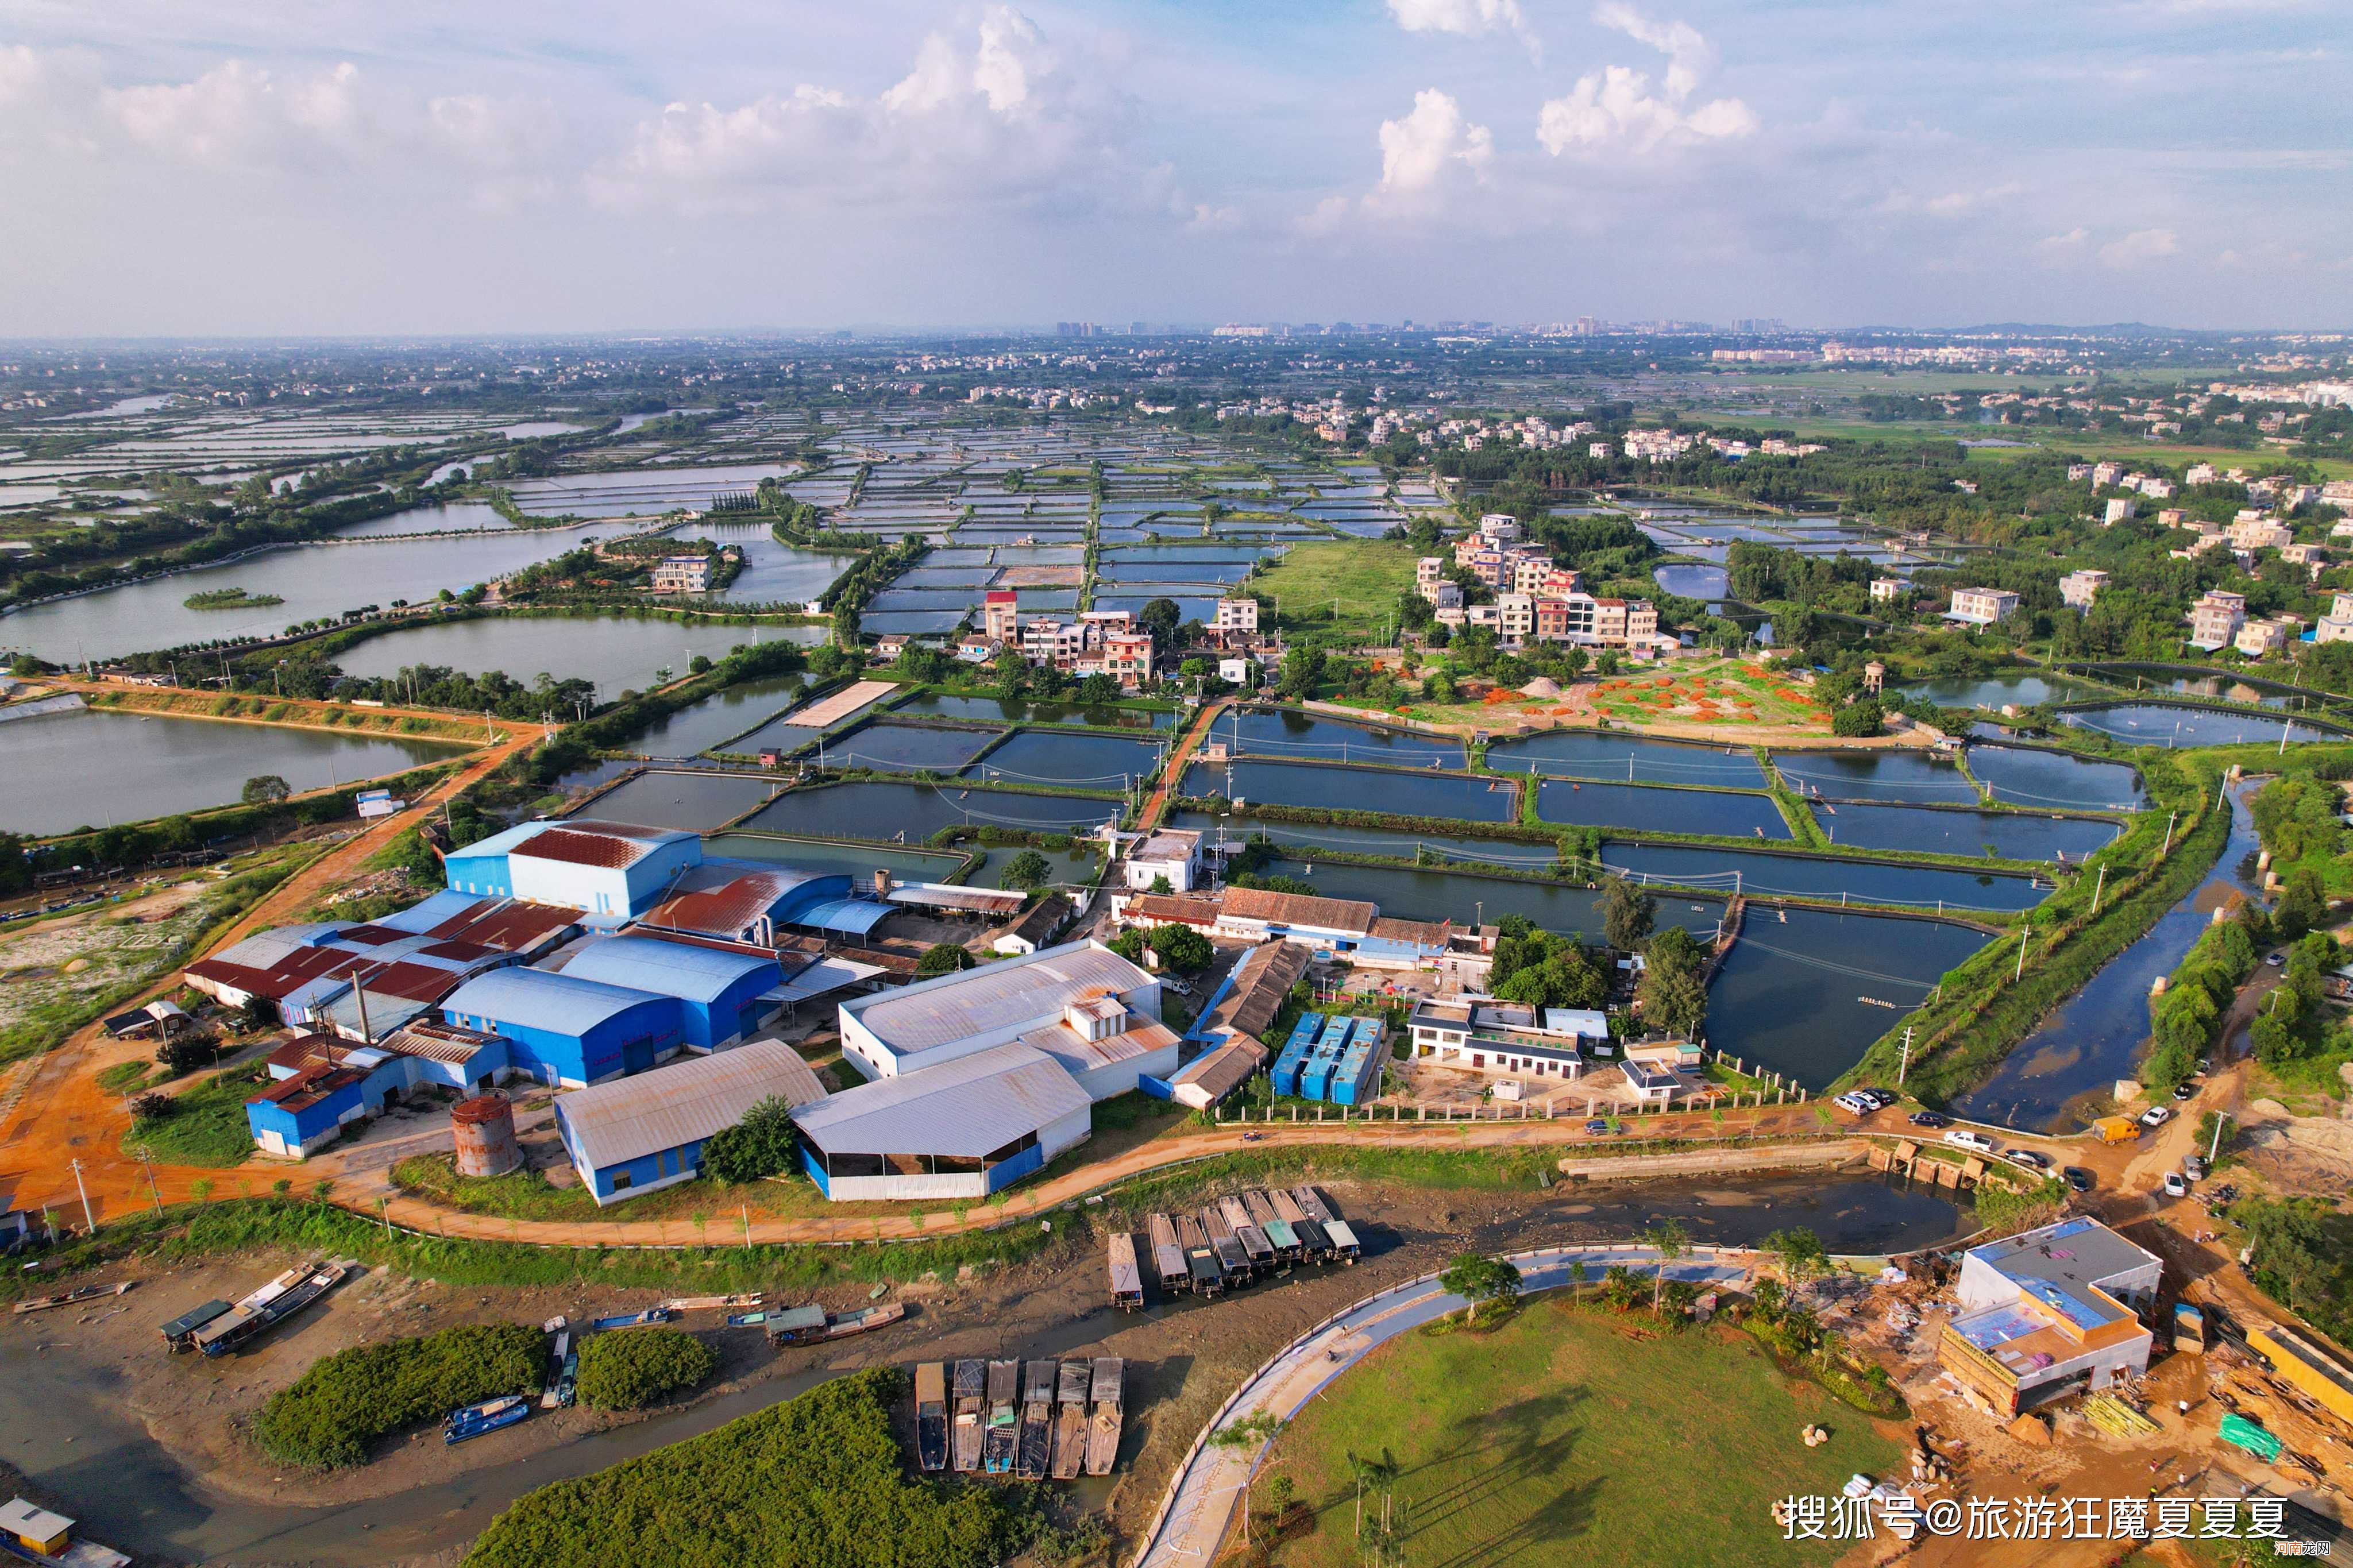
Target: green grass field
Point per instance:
(1571, 1436)
(1365, 577)
(206, 1126)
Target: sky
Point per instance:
(259, 167)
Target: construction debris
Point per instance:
(2119, 1419)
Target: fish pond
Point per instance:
(1917, 777)
(616, 653)
(885, 812)
(1086, 762)
(720, 717)
(1642, 808)
(2157, 724)
(2008, 836)
(1019, 711)
(2024, 776)
(906, 747)
(826, 858)
(1336, 788)
(690, 802)
(1285, 734)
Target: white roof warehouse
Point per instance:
(960, 1129)
(636, 1133)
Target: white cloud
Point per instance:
(1614, 110)
(2053, 250)
(2141, 244)
(1958, 203)
(1422, 148)
(1467, 18)
(237, 114)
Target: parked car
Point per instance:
(2077, 1178)
(1598, 1127)
(2028, 1158)
(1962, 1138)
(1931, 1118)
(2185, 1091)
(2276, 960)
(2177, 1185)
(2157, 1116)
(2194, 1167)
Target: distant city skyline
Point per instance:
(233, 167)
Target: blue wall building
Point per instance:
(568, 1031)
(717, 991)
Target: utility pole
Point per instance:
(2097, 887)
(2169, 833)
(2215, 1152)
(2023, 934)
(87, 1218)
(1904, 1070)
(147, 1162)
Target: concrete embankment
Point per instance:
(1813, 1155)
(65, 702)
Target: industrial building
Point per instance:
(610, 871)
(641, 1133)
(322, 1084)
(959, 1129)
(719, 990)
(567, 1031)
(1507, 1037)
(1080, 1003)
(1353, 929)
(2049, 1313)
(1230, 1029)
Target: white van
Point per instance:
(1962, 1138)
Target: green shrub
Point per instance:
(814, 1482)
(332, 1411)
(629, 1370)
(759, 1146)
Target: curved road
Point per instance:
(1199, 1508)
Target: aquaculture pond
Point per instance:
(1913, 777)
(97, 768)
(1087, 761)
(720, 717)
(2157, 724)
(2008, 836)
(2023, 775)
(2096, 1036)
(616, 653)
(1335, 788)
(692, 801)
(773, 573)
(1306, 838)
(2022, 690)
(1584, 754)
(1465, 897)
(1019, 711)
(453, 517)
(1805, 992)
(1642, 808)
(826, 858)
(1824, 876)
(906, 747)
(886, 812)
(1285, 734)
(321, 579)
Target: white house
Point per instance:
(1982, 607)
(1172, 852)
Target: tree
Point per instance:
(1161, 618)
(1672, 995)
(1672, 1240)
(1028, 870)
(1798, 1252)
(1161, 886)
(760, 1145)
(1180, 948)
(1863, 716)
(1099, 691)
(1626, 913)
(1478, 1278)
(264, 789)
(944, 958)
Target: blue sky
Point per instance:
(208, 166)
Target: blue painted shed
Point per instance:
(567, 1030)
(718, 989)
(1293, 1057)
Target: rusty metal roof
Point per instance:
(1261, 982)
(1421, 934)
(1013, 993)
(731, 907)
(1175, 909)
(609, 851)
(514, 926)
(1220, 1072)
(681, 1103)
(1299, 910)
(967, 1108)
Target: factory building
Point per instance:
(569, 1031)
(320, 1084)
(720, 990)
(610, 871)
(960, 1129)
(1081, 1004)
(641, 1133)
(740, 901)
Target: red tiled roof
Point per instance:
(582, 849)
(411, 981)
(307, 1088)
(1299, 910)
(1173, 909)
(294, 971)
(1427, 933)
(305, 1050)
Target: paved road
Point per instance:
(1199, 1509)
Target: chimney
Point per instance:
(883, 881)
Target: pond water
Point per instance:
(1584, 754)
(1806, 991)
(2022, 775)
(1114, 570)
(1016, 710)
(616, 652)
(691, 801)
(883, 812)
(2231, 688)
(2095, 1038)
(826, 858)
(722, 716)
(1640, 808)
(1285, 734)
(97, 768)
(1085, 761)
(455, 516)
(912, 623)
(314, 580)
(1710, 583)
(1823, 877)
(1334, 788)
(1997, 690)
(1188, 607)
(635, 492)
(2013, 836)
(2154, 724)
(1465, 897)
(906, 747)
(1913, 777)
(773, 573)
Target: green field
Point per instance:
(1573, 1436)
(1351, 587)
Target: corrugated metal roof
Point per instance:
(1261, 982)
(1063, 1042)
(665, 968)
(827, 974)
(1219, 1072)
(968, 1108)
(558, 1003)
(1175, 909)
(939, 896)
(448, 906)
(1013, 994)
(515, 925)
(607, 851)
(438, 1042)
(853, 917)
(683, 1102)
(726, 905)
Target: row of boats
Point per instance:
(1030, 1420)
(1229, 1243)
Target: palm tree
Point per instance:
(1382, 1475)
(1672, 1240)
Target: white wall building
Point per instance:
(1982, 607)
(1016, 999)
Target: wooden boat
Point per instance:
(931, 1415)
(273, 1304)
(1126, 1279)
(807, 1325)
(1001, 1437)
(180, 1333)
(472, 1421)
(712, 1303)
(1070, 1420)
(1167, 1255)
(558, 1354)
(971, 1416)
(1034, 1446)
(68, 1298)
(1103, 1421)
(746, 1320)
(841, 1325)
(567, 1381)
(634, 1320)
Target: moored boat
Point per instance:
(69, 1298)
(661, 1314)
(470, 1421)
(931, 1415)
